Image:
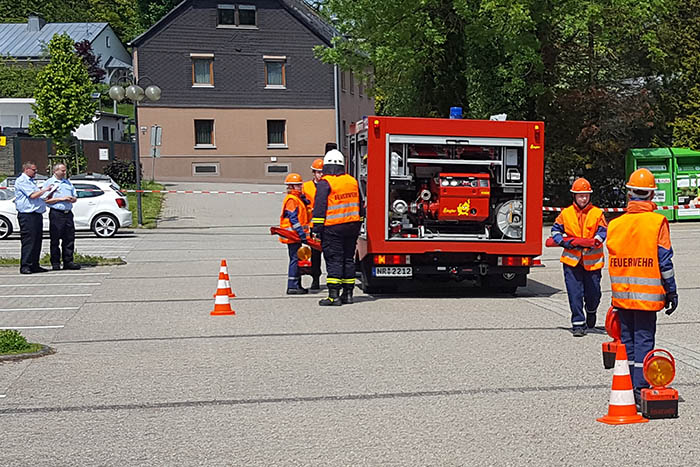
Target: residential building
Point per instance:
(26, 43)
(15, 115)
(243, 96)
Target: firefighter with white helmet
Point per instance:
(309, 190)
(294, 217)
(641, 272)
(336, 218)
(581, 230)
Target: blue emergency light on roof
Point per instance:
(456, 113)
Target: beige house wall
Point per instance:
(240, 142)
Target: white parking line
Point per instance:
(31, 327)
(41, 309)
(52, 285)
(3, 395)
(55, 273)
(47, 296)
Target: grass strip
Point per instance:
(83, 260)
(151, 204)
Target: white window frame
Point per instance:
(206, 164)
(273, 174)
(212, 145)
(267, 134)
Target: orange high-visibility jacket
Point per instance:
(593, 258)
(343, 201)
(634, 261)
(291, 203)
(309, 190)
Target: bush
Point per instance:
(122, 172)
(11, 341)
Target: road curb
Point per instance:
(45, 350)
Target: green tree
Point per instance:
(63, 94)
(17, 80)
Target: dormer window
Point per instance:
(236, 15)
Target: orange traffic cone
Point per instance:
(224, 269)
(222, 305)
(622, 410)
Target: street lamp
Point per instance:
(136, 94)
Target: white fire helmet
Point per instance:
(334, 157)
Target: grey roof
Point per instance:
(114, 62)
(17, 41)
(298, 8)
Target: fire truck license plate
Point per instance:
(393, 271)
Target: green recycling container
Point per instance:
(686, 183)
(660, 162)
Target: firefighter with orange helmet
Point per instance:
(309, 190)
(641, 272)
(337, 217)
(294, 217)
(581, 230)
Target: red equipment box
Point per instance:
(659, 403)
(463, 197)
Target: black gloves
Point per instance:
(671, 302)
(317, 230)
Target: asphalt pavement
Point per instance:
(143, 375)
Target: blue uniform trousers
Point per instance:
(293, 276)
(31, 232)
(582, 286)
(638, 329)
(339, 243)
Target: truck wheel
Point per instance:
(503, 283)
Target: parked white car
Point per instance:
(101, 208)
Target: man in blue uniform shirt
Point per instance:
(61, 226)
(30, 208)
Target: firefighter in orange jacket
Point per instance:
(581, 229)
(337, 217)
(309, 190)
(641, 272)
(294, 217)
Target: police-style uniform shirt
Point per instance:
(24, 187)
(65, 188)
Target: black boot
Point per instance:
(333, 297)
(315, 284)
(346, 296)
(590, 319)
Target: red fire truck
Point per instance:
(448, 199)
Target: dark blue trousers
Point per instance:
(62, 233)
(30, 230)
(293, 276)
(638, 330)
(339, 243)
(582, 286)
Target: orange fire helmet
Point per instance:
(293, 179)
(581, 185)
(642, 179)
(317, 165)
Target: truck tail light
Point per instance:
(121, 202)
(538, 134)
(537, 263)
(392, 259)
(515, 261)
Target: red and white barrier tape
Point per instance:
(189, 192)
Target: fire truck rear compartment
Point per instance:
(456, 191)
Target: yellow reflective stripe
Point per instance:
(333, 280)
(318, 220)
(348, 281)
